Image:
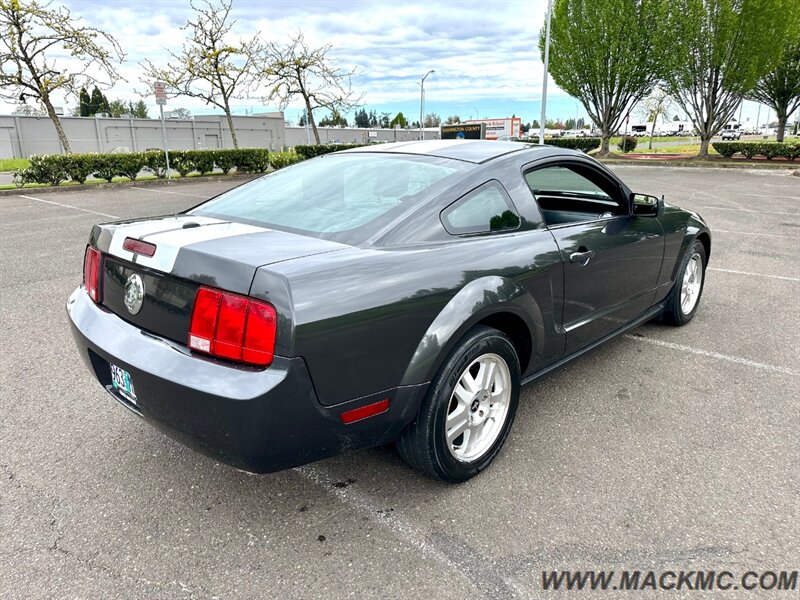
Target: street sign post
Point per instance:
(160, 91)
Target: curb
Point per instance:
(126, 184)
(788, 166)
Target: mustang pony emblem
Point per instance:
(134, 294)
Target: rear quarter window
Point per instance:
(483, 210)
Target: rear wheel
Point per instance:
(468, 410)
(685, 295)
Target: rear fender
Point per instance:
(474, 302)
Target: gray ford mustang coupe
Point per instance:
(396, 293)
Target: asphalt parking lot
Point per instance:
(666, 449)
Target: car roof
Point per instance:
(474, 151)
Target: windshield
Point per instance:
(342, 197)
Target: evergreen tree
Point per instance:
(361, 118)
(97, 102)
(85, 103)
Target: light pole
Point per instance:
(546, 66)
(422, 102)
(576, 120)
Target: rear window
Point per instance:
(341, 197)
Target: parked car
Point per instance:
(731, 134)
(396, 293)
(508, 138)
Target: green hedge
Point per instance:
(278, 160)
(54, 169)
(311, 151)
(769, 150)
(584, 144)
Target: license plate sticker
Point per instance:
(121, 381)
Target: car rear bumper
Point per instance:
(256, 420)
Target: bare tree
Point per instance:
(657, 104)
(297, 70)
(209, 67)
(33, 36)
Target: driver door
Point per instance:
(611, 258)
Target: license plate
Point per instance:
(121, 381)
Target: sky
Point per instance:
(484, 53)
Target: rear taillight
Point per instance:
(233, 327)
(91, 272)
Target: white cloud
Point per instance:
(482, 51)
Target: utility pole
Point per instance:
(546, 66)
(422, 103)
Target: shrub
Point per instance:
(279, 160)
(80, 166)
(627, 143)
(43, 168)
(584, 144)
(182, 162)
(106, 166)
(224, 159)
(203, 160)
(129, 164)
(156, 162)
(769, 150)
(726, 149)
(310, 151)
(251, 160)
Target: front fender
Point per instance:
(476, 301)
(681, 229)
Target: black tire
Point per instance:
(423, 444)
(673, 313)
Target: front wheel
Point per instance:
(468, 410)
(685, 295)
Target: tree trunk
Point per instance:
(230, 125)
(604, 139)
(51, 112)
(704, 141)
(652, 132)
(310, 117)
(781, 126)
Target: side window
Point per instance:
(572, 193)
(487, 208)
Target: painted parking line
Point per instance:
(140, 189)
(482, 575)
(795, 197)
(781, 277)
(86, 210)
(775, 235)
(747, 210)
(716, 355)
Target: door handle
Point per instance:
(581, 257)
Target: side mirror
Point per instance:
(646, 206)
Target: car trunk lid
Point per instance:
(189, 252)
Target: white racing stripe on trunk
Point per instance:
(169, 243)
(169, 237)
